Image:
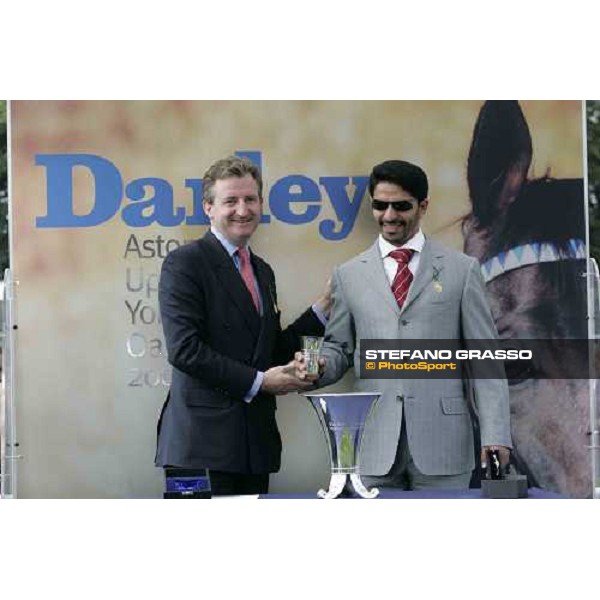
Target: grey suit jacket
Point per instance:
(438, 423)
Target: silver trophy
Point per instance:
(343, 418)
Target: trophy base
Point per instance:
(342, 486)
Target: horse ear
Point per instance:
(499, 159)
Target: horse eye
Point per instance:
(518, 371)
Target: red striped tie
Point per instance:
(247, 276)
(403, 277)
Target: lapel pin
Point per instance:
(437, 286)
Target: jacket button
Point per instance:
(404, 322)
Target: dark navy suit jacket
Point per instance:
(216, 341)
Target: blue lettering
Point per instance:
(108, 187)
(294, 199)
(346, 209)
(198, 216)
(282, 197)
(161, 203)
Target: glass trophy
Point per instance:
(343, 418)
(311, 349)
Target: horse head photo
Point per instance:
(529, 236)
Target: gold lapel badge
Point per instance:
(437, 286)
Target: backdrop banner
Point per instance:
(102, 191)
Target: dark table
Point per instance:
(389, 494)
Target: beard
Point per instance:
(395, 232)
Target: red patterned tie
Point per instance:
(247, 276)
(403, 277)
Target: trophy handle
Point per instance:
(360, 488)
(336, 485)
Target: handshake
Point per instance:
(293, 377)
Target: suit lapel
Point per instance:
(265, 286)
(232, 282)
(431, 262)
(268, 305)
(375, 274)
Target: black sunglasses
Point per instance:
(399, 206)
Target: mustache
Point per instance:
(396, 222)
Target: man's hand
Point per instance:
(300, 368)
(503, 452)
(282, 380)
(324, 300)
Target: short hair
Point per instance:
(225, 168)
(408, 176)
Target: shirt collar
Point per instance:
(231, 248)
(415, 243)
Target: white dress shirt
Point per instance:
(390, 264)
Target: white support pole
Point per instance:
(10, 448)
(593, 308)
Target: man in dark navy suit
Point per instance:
(221, 321)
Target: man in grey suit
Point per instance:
(409, 286)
